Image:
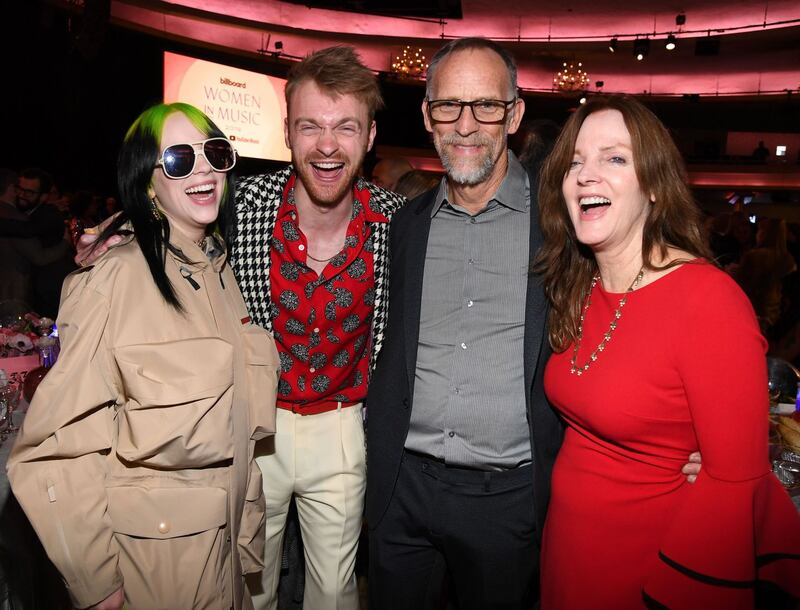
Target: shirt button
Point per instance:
(463, 346)
(316, 330)
(451, 434)
(471, 261)
(163, 527)
(312, 369)
(472, 220)
(456, 390)
(470, 303)
(301, 247)
(294, 216)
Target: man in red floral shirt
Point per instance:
(312, 263)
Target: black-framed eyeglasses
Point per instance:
(491, 112)
(179, 160)
(28, 192)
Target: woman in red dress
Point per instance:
(658, 354)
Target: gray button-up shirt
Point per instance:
(469, 393)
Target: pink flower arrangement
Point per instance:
(22, 336)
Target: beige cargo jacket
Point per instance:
(135, 462)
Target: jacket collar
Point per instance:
(213, 255)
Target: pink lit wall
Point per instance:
(248, 25)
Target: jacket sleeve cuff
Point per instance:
(85, 594)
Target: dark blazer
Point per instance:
(391, 389)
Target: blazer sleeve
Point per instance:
(57, 467)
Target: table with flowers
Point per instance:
(28, 347)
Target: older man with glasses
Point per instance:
(461, 439)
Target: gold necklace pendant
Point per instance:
(576, 370)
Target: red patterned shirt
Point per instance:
(322, 323)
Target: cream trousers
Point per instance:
(321, 461)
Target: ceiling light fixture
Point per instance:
(680, 19)
(572, 76)
(641, 47)
(670, 43)
(612, 45)
(410, 63)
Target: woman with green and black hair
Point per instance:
(135, 462)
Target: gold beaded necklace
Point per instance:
(576, 370)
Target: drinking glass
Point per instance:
(9, 398)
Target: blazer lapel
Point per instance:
(415, 246)
(536, 302)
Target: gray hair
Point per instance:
(469, 44)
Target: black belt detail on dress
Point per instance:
(762, 560)
(705, 578)
(651, 603)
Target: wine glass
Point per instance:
(9, 398)
(5, 414)
(782, 379)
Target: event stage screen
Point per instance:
(247, 106)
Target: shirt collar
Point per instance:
(511, 193)
(213, 253)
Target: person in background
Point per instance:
(743, 231)
(44, 220)
(48, 278)
(110, 207)
(761, 152)
(414, 183)
(21, 256)
(533, 142)
(724, 247)
(8, 193)
(762, 270)
(45, 260)
(388, 171)
(135, 461)
(657, 354)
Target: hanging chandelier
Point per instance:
(571, 77)
(410, 63)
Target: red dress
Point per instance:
(683, 371)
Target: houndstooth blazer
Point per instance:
(258, 199)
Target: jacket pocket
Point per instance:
(163, 512)
(253, 526)
(262, 363)
(173, 545)
(178, 403)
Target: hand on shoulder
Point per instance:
(87, 253)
